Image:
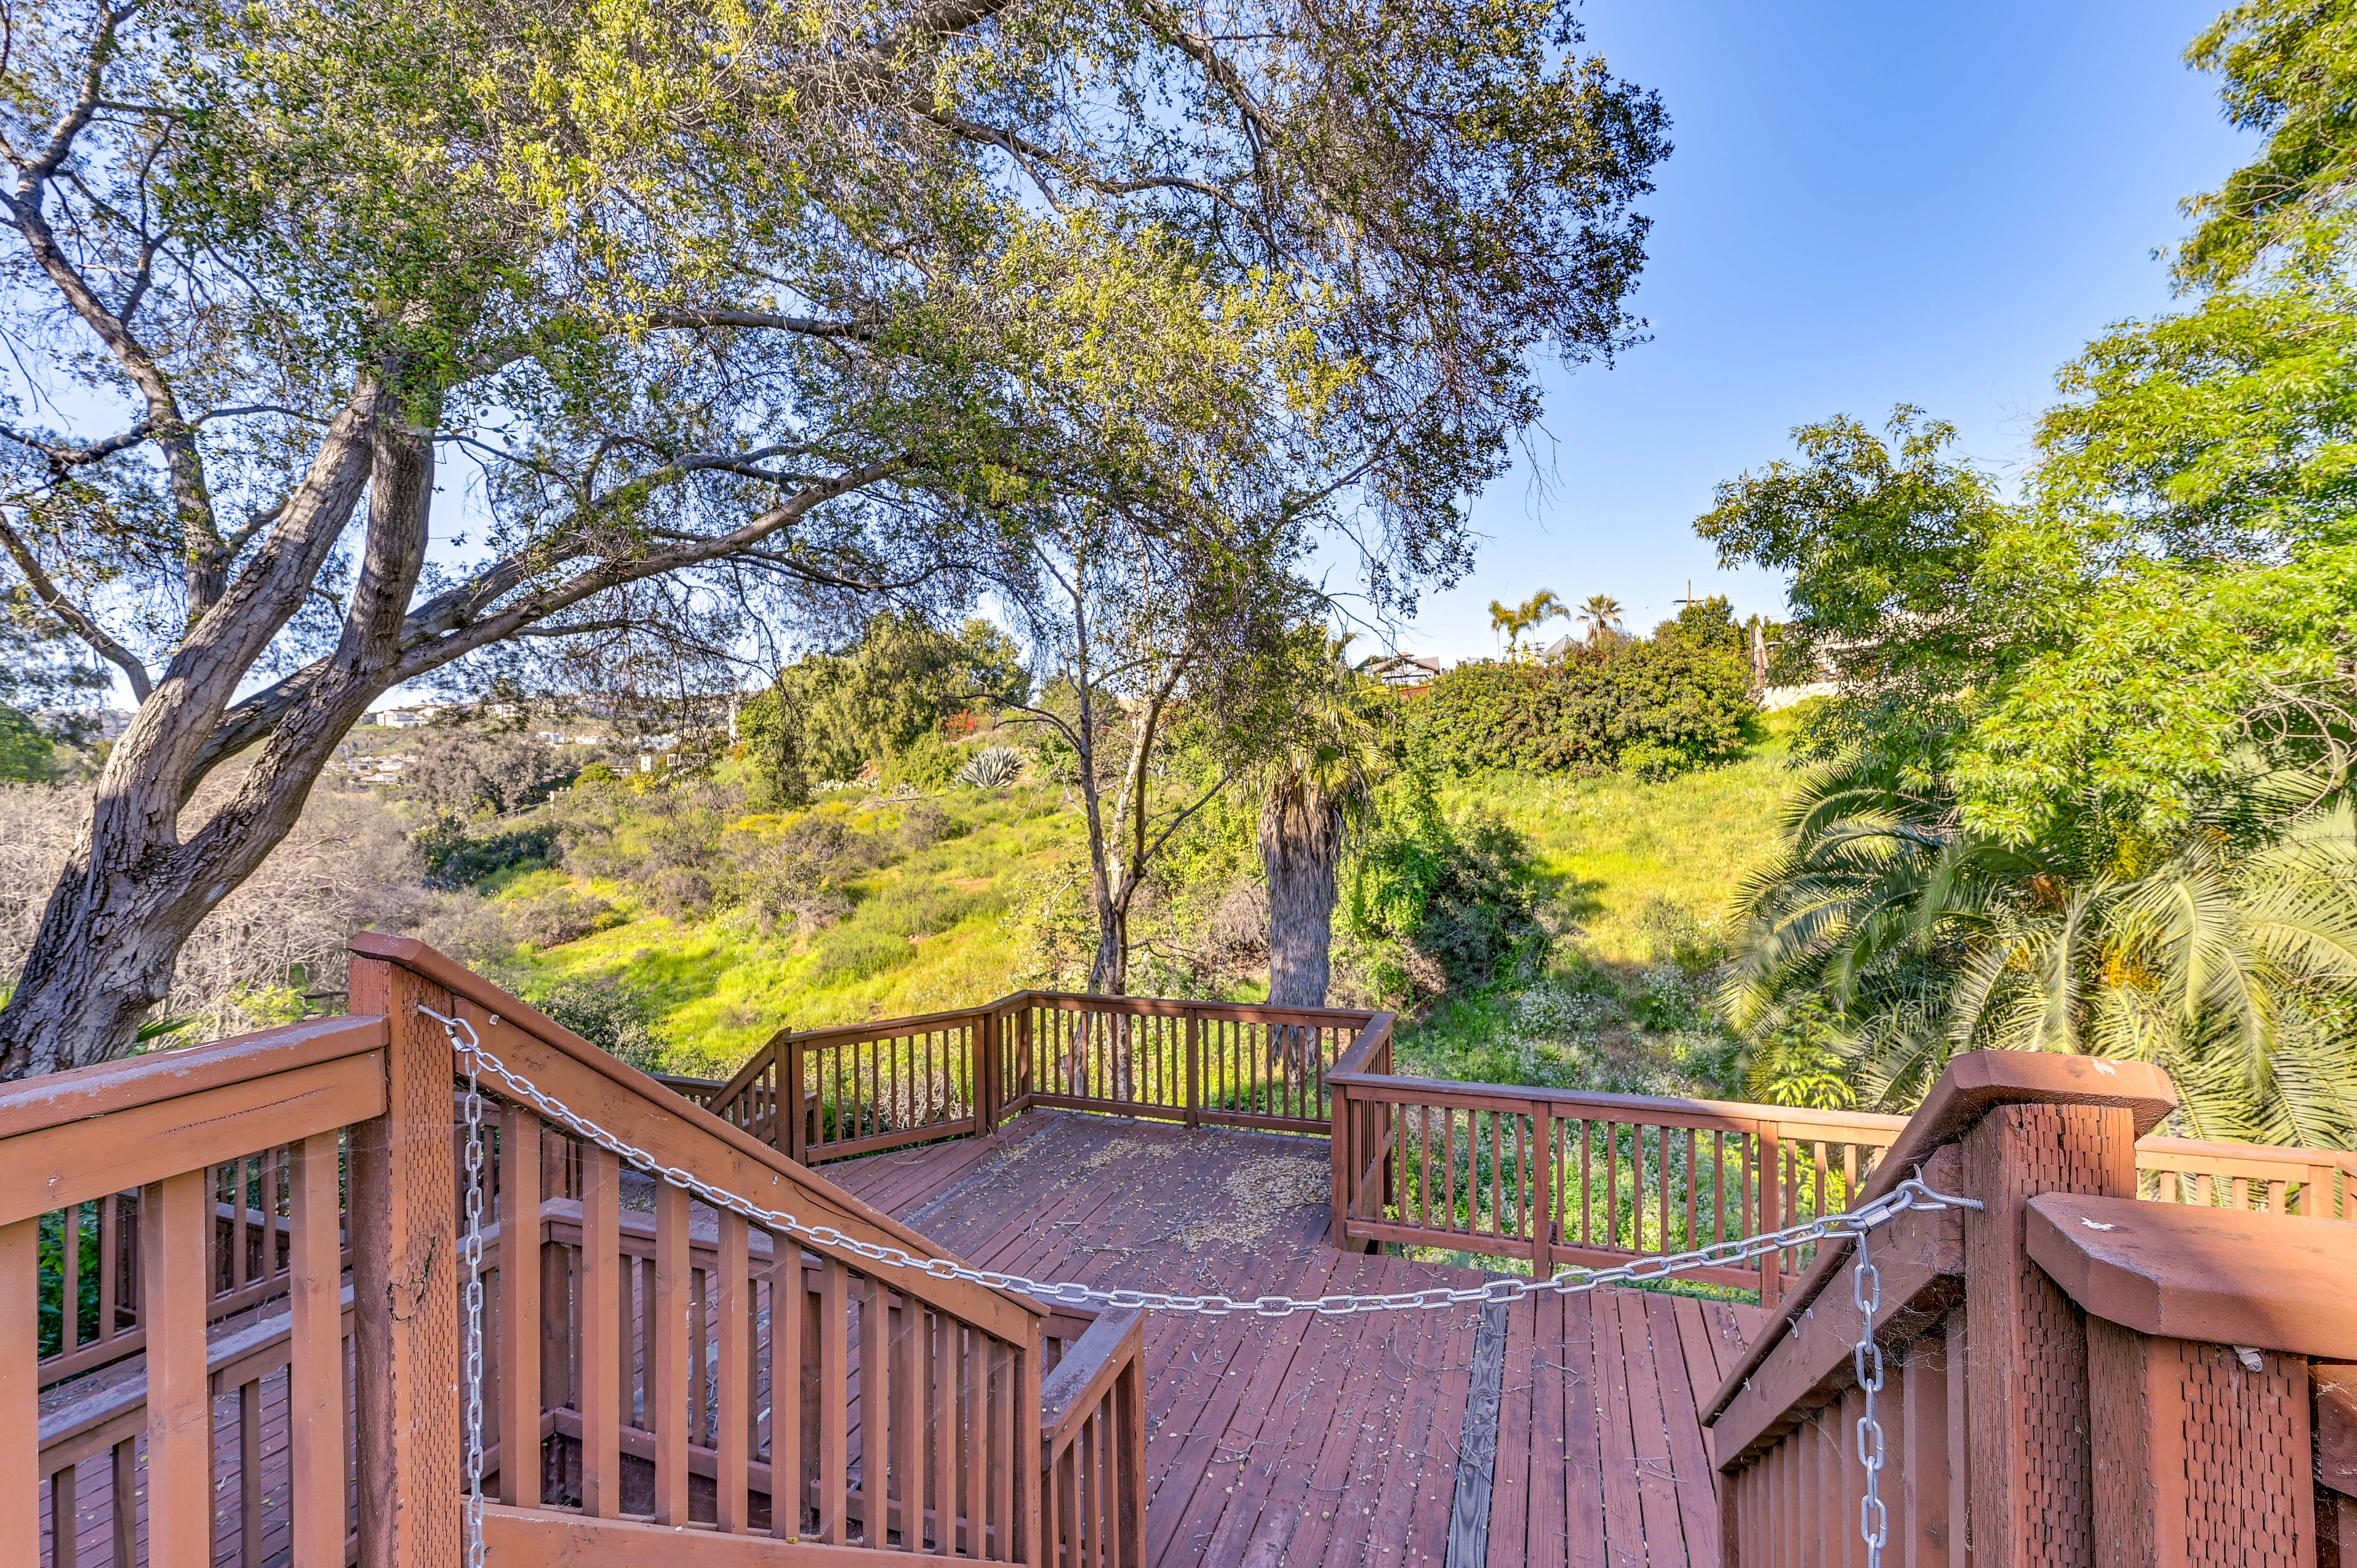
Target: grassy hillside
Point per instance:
(1642, 872)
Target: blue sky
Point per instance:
(1925, 201)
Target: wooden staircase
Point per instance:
(277, 1220)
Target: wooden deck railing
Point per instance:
(650, 1363)
(865, 1088)
(1493, 1170)
(2068, 1374)
(1558, 1177)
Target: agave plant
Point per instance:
(1887, 936)
(992, 767)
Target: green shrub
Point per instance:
(454, 858)
(854, 951)
(1453, 899)
(1655, 708)
(614, 1019)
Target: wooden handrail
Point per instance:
(634, 1107)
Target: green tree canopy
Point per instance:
(743, 314)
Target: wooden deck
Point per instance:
(1310, 1440)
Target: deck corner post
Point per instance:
(986, 1070)
(1342, 1149)
(790, 1107)
(404, 1225)
(2033, 1494)
(1771, 1210)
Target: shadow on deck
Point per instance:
(1315, 1440)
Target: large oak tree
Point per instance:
(737, 308)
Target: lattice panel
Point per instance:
(2243, 1483)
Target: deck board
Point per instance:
(1282, 1443)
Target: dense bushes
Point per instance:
(453, 857)
(1652, 707)
(1440, 902)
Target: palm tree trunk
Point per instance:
(1298, 837)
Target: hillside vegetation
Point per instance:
(949, 899)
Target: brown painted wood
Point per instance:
(521, 1333)
(404, 1225)
(1919, 1512)
(174, 1219)
(2334, 1388)
(109, 1089)
(2215, 1274)
(2030, 1462)
(733, 1306)
(102, 1155)
(598, 1389)
(836, 1289)
(20, 1426)
(1920, 1257)
(667, 1379)
(315, 1396)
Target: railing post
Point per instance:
(982, 1070)
(404, 1224)
(2032, 1470)
(789, 1109)
(1772, 1210)
(1341, 1147)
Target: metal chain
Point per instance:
(470, 1250)
(1866, 1360)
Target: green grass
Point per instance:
(1642, 871)
(1645, 872)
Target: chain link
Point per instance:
(1865, 1361)
(470, 1250)
(1851, 1225)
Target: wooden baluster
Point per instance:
(600, 1268)
(834, 1400)
(666, 1342)
(124, 1512)
(1543, 1194)
(110, 1270)
(941, 1377)
(907, 1314)
(730, 1287)
(20, 1382)
(65, 1518)
(314, 1375)
(175, 1215)
(70, 1279)
(520, 1307)
(249, 1473)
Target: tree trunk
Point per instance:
(1299, 833)
(132, 891)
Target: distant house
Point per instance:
(406, 718)
(1403, 669)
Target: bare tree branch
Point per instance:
(82, 623)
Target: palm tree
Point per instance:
(1599, 613)
(1315, 789)
(1887, 936)
(1536, 611)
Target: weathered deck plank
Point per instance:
(1310, 1441)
